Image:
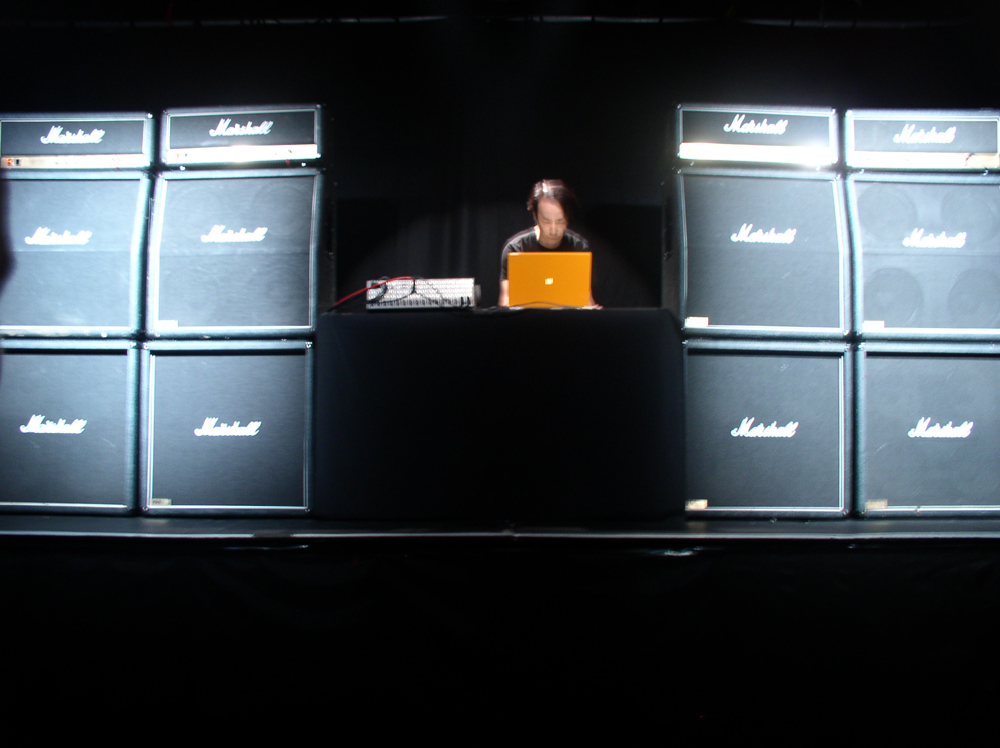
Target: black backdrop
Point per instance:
(438, 128)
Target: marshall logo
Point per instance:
(227, 130)
(917, 238)
(746, 428)
(46, 237)
(38, 425)
(209, 428)
(911, 134)
(756, 128)
(221, 235)
(924, 431)
(747, 234)
(57, 136)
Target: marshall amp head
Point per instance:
(77, 240)
(767, 428)
(927, 255)
(225, 427)
(922, 139)
(76, 141)
(234, 253)
(758, 134)
(763, 253)
(68, 425)
(241, 135)
(928, 428)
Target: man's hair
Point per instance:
(554, 189)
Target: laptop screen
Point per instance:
(549, 279)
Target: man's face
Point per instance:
(551, 223)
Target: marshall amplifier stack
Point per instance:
(925, 217)
(764, 251)
(831, 298)
(765, 258)
(74, 194)
(233, 252)
(121, 387)
(927, 244)
(225, 425)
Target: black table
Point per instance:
(554, 415)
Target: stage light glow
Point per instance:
(771, 154)
(922, 160)
(233, 154)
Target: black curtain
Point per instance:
(438, 128)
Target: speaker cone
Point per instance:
(971, 209)
(886, 213)
(893, 296)
(974, 299)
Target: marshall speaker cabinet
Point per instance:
(929, 428)
(244, 135)
(76, 141)
(766, 135)
(768, 428)
(234, 253)
(225, 427)
(763, 254)
(67, 425)
(76, 241)
(924, 140)
(927, 255)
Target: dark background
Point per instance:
(437, 129)
(442, 115)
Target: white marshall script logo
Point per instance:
(918, 238)
(221, 235)
(56, 135)
(747, 234)
(45, 236)
(209, 428)
(38, 425)
(937, 431)
(757, 128)
(226, 130)
(911, 134)
(746, 428)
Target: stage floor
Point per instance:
(677, 531)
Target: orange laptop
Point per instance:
(546, 279)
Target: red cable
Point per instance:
(376, 284)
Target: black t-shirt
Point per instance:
(526, 241)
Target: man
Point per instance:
(553, 206)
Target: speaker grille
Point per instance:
(764, 252)
(930, 254)
(75, 243)
(234, 254)
(930, 432)
(226, 430)
(65, 430)
(766, 431)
